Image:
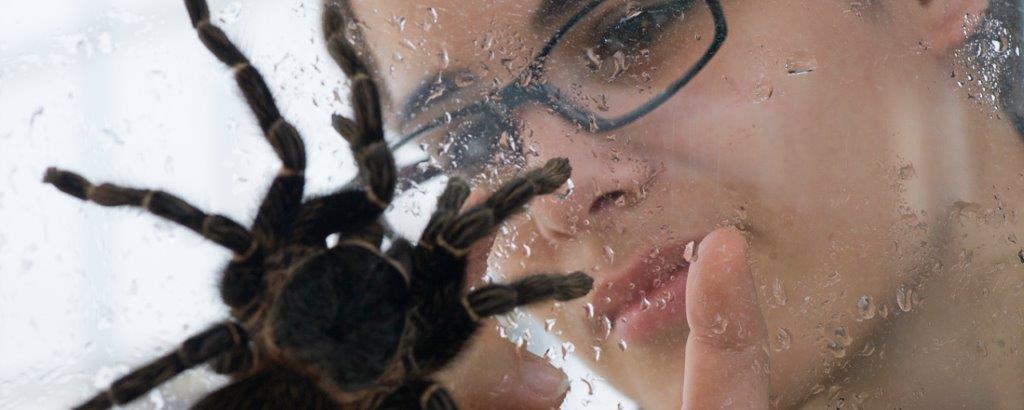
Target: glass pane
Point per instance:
(826, 216)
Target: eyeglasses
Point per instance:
(611, 63)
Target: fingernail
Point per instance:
(543, 380)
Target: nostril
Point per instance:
(607, 199)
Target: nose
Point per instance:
(608, 178)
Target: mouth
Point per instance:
(648, 296)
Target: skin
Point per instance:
(873, 174)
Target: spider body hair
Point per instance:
(348, 325)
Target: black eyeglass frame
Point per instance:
(523, 90)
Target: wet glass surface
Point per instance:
(871, 153)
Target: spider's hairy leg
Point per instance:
(194, 351)
(283, 199)
(347, 212)
(448, 205)
(351, 209)
(440, 258)
(275, 389)
(419, 394)
(365, 133)
(401, 252)
(216, 228)
(497, 299)
(438, 270)
(460, 232)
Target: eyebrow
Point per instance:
(427, 92)
(545, 15)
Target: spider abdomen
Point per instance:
(342, 313)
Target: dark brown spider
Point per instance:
(346, 326)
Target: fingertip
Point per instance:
(723, 241)
(721, 302)
(543, 385)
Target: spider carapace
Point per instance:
(346, 325)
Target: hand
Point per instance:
(726, 351)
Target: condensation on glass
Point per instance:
(873, 160)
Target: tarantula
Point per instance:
(342, 326)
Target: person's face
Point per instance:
(801, 130)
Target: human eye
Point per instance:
(628, 31)
(473, 146)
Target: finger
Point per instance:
(726, 355)
(494, 374)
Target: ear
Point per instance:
(947, 24)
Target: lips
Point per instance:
(648, 296)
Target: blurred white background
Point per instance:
(123, 91)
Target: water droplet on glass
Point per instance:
(784, 338)
(593, 59)
(838, 350)
(409, 44)
(609, 254)
(778, 293)
(719, 324)
(801, 65)
(438, 91)
(868, 350)
(866, 307)
(982, 348)
(567, 347)
(597, 353)
(620, 65)
(464, 79)
(606, 327)
(842, 337)
(590, 386)
(589, 308)
(904, 298)
(645, 304)
(688, 252)
(906, 172)
(622, 345)
(632, 12)
(487, 42)
(549, 324)
(570, 187)
(230, 14)
(763, 90)
(445, 59)
(839, 342)
(1000, 45)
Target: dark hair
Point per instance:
(994, 55)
